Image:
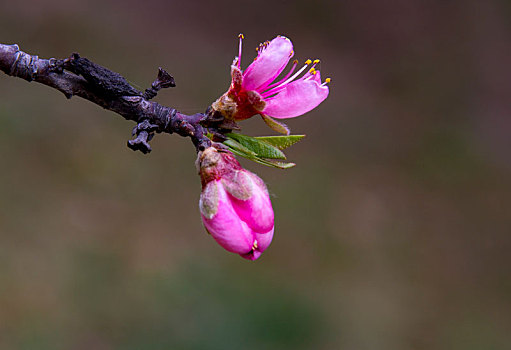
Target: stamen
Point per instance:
(271, 86)
(314, 64)
(327, 80)
(310, 74)
(311, 71)
(241, 37)
(295, 75)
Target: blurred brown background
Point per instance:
(393, 232)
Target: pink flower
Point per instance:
(256, 91)
(234, 204)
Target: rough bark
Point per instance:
(78, 76)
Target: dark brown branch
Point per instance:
(77, 76)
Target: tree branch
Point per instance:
(77, 76)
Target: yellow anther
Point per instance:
(308, 62)
(295, 62)
(327, 80)
(254, 246)
(291, 53)
(241, 36)
(316, 61)
(312, 71)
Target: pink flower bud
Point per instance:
(234, 204)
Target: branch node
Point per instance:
(163, 80)
(24, 65)
(56, 66)
(144, 125)
(144, 132)
(140, 143)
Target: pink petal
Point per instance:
(226, 227)
(252, 255)
(268, 64)
(256, 211)
(297, 98)
(263, 241)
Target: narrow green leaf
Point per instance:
(274, 163)
(239, 149)
(281, 142)
(261, 148)
(241, 154)
(275, 125)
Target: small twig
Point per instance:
(164, 80)
(78, 76)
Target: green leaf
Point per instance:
(274, 163)
(239, 149)
(275, 125)
(281, 142)
(260, 148)
(263, 150)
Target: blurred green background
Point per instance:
(393, 232)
